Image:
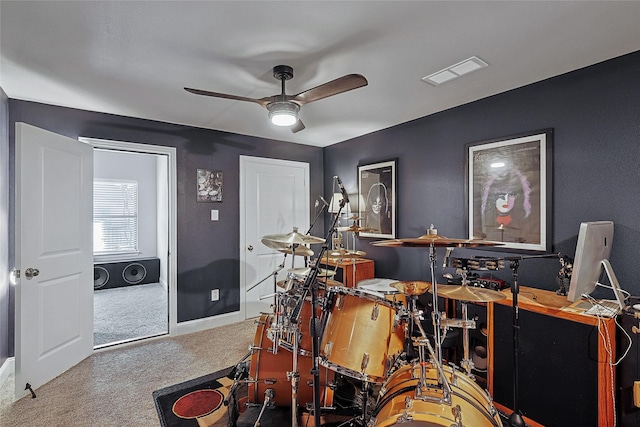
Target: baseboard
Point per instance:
(206, 323)
(7, 368)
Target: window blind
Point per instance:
(115, 217)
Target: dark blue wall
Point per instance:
(208, 252)
(595, 114)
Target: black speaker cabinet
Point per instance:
(564, 372)
(126, 273)
(629, 370)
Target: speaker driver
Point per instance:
(100, 277)
(134, 273)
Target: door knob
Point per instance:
(250, 248)
(31, 272)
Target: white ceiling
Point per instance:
(134, 58)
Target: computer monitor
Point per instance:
(593, 247)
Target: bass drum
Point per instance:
(470, 405)
(268, 370)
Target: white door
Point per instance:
(54, 308)
(274, 198)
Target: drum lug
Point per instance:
(270, 381)
(365, 362)
(375, 312)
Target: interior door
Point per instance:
(274, 200)
(54, 254)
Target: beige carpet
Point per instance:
(113, 387)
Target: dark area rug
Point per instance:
(197, 402)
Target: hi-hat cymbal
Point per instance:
(433, 240)
(300, 250)
(293, 238)
(344, 253)
(412, 287)
(304, 271)
(357, 229)
(288, 249)
(469, 293)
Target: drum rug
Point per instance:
(198, 402)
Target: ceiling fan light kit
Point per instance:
(283, 113)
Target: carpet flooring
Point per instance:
(113, 387)
(129, 313)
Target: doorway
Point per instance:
(133, 225)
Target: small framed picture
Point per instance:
(377, 195)
(209, 186)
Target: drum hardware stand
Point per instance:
(268, 396)
(240, 372)
(294, 377)
(515, 419)
(310, 285)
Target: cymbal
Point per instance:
(293, 238)
(300, 250)
(304, 271)
(344, 253)
(357, 229)
(435, 240)
(469, 293)
(354, 217)
(413, 287)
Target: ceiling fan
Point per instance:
(283, 109)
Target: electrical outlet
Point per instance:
(215, 294)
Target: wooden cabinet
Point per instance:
(350, 271)
(565, 376)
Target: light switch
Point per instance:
(214, 215)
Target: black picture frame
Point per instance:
(377, 199)
(508, 191)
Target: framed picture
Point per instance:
(377, 199)
(508, 191)
(209, 185)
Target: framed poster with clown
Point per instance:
(508, 191)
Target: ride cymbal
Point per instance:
(433, 240)
(469, 293)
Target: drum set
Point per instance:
(345, 356)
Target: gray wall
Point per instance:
(595, 114)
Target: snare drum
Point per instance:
(384, 289)
(398, 405)
(361, 338)
(269, 370)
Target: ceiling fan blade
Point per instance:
(334, 87)
(263, 101)
(297, 127)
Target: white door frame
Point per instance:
(172, 270)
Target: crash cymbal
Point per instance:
(469, 293)
(293, 238)
(344, 253)
(435, 240)
(304, 271)
(412, 287)
(354, 217)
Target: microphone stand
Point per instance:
(515, 419)
(310, 284)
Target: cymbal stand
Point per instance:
(294, 377)
(436, 315)
(423, 346)
(310, 285)
(515, 419)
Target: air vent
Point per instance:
(454, 71)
